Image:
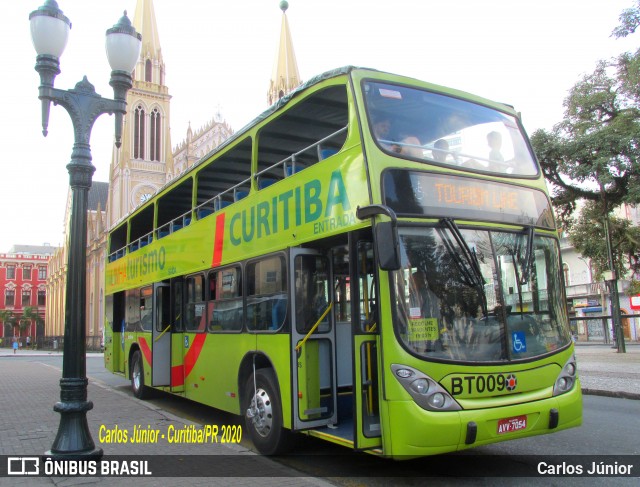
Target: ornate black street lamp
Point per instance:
(49, 32)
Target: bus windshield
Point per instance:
(479, 295)
(438, 129)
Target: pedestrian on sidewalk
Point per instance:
(15, 345)
(29, 341)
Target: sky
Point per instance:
(219, 56)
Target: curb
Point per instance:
(616, 394)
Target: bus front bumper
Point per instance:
(415, 432)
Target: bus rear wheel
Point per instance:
(140, 390)
(263, 414)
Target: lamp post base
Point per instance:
(73, 440)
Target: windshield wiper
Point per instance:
(526, 264)
(471, 271)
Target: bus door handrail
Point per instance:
(162, 334)
(313, 328)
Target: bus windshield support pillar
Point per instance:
(84, 106)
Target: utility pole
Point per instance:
(612, 281)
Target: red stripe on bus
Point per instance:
(146, 351)
(192, 355)
(219, 241)
(177, 376)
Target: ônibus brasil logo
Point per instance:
(512, 382)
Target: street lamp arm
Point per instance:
(84, 106)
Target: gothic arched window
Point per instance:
(138, 133)
(155, 135)
(147, 71)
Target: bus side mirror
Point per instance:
(387, 246)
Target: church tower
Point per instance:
(285, 76)
(144, 162)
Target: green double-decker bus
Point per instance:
(372, 261)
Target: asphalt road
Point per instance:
(610, 427)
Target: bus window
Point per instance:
(437, 129)
(133, 310)
(118, 242)
(225, 312)
(195, 304)
(312, 292)
(342, 285)
(313, 130)
(266, 293)
(217, 180)
(174, 208)
(146, 308)
(177, 304)
(367, 285)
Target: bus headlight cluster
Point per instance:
(426, 392)
(567, 377)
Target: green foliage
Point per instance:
(588, 237)
(29, 314)
(634, 288)
(593, 154)
(7, 316)
(629, 21)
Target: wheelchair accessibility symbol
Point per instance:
(519, 342)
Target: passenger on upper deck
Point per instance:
(494, 140)
(410, 146)
(440, 150)
(382, 130)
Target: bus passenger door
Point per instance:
(161, 336)
(313, 347)
(366, 333)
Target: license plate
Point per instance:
(509, 425)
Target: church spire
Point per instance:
(150, 67)
(285, 76)
(144, 163)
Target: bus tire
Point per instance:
(140, 390)
(264, 423)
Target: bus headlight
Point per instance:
(567, 377)
(437, 400)
(425, 391)
(421, 386)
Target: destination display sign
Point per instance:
(413, 193)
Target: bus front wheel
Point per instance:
(140, 390)
(263, 414)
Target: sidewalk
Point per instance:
(605, 372)
(28, 426)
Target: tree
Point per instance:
(594, 153)
(9, 319)
(588, 237)
(29, 314)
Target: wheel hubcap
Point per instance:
(260, 413)
(136, 375)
